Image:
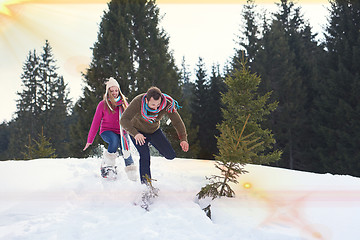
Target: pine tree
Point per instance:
(285, 54)
(54, 101)
(28, 107)
(200, 109)
(216, 88)
(41, 148)
(286, 82)
(188, 88)
(48, 78)
(43, 102)
(156, 65)
(242, 99)
(297, 134)
(59, 119)
(338, 106)
(133, 49)
(249, 40)
(242, 139)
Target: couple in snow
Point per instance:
(141, 120)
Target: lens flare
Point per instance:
(247, 185)
(6, 5)
(284, 208)
(3, 8)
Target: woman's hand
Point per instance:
(184, 146)
(140, 139)
(86, 146)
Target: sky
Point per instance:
(68, 199)
(200, 28)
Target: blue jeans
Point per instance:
(113, 140)
(159, 141)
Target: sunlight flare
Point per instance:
(247, 185)
(4, 10)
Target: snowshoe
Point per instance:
(148, 195)
(109, 172)
(108, 168)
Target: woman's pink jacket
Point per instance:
(105, 120)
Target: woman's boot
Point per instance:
(108, 168)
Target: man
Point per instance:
(141, 120)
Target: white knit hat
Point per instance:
(111, 83)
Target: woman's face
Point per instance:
(114, 91)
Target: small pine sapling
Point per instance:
(235, 150)
(254, 144)
(41, 148)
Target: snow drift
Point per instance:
(67, 199)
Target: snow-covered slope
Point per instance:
(67, 199)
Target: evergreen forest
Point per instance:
(301, 92)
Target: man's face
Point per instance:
(153, 104)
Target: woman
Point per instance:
(107, 116)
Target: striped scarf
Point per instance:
(122, 104)
(123, 134)
(151, 114)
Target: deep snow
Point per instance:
(67, 199)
